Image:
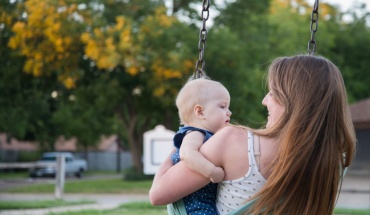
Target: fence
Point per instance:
(95, 160)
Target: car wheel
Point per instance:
(79, 173)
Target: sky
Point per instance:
(344, 5)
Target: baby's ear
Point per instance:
(198, 111)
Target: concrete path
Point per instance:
(355, 192)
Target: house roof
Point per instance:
(360, 113)
(62, 144)
(12, 144)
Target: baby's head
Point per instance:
(204, 103)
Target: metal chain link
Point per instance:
(313, 27)
(199, 66)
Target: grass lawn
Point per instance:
(115, 186)
(85, 186)
(6, 205)
(14, 175)
(127, 209)
(147, 209)
(342, 211)
(24, 174)
(89, 186)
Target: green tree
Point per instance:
(127, 57)
(83, 68)
(26, 104)
(236, 49)
(351, 53)
(146, 70)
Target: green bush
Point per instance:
(28, 156)
(132, 175)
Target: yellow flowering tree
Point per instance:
(124, 60)
(152, 54)
(147, 50)
(26, 108)
(49, 40)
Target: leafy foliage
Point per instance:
(48, 39)
(87, 68)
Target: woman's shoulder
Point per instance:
(231, 133)
(235, 129)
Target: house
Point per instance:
(360, 113)
(106, 144)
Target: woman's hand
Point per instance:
(174, 182)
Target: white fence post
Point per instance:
(158, 144)
(59, 177)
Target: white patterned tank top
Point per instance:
(232, 194)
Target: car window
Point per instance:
(48, 159)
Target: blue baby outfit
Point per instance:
(202, 201)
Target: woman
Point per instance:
(301, 153)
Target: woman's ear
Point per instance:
(198, 111)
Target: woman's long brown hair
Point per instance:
(315, 134)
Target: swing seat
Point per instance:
(242, 209)
(178, 208)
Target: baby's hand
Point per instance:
(217, 175)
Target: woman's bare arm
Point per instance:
(190, 155)
(173, 182)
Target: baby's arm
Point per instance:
(189, 153)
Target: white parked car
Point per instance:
(46, 166)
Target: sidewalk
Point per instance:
(355, 194)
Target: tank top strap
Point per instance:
(252, 154)
(257, 152)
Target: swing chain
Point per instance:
(199, 66)
(313, 27)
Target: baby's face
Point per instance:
(216, 109)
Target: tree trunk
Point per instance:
(118, 166)
(136, 147)
(134, 135)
